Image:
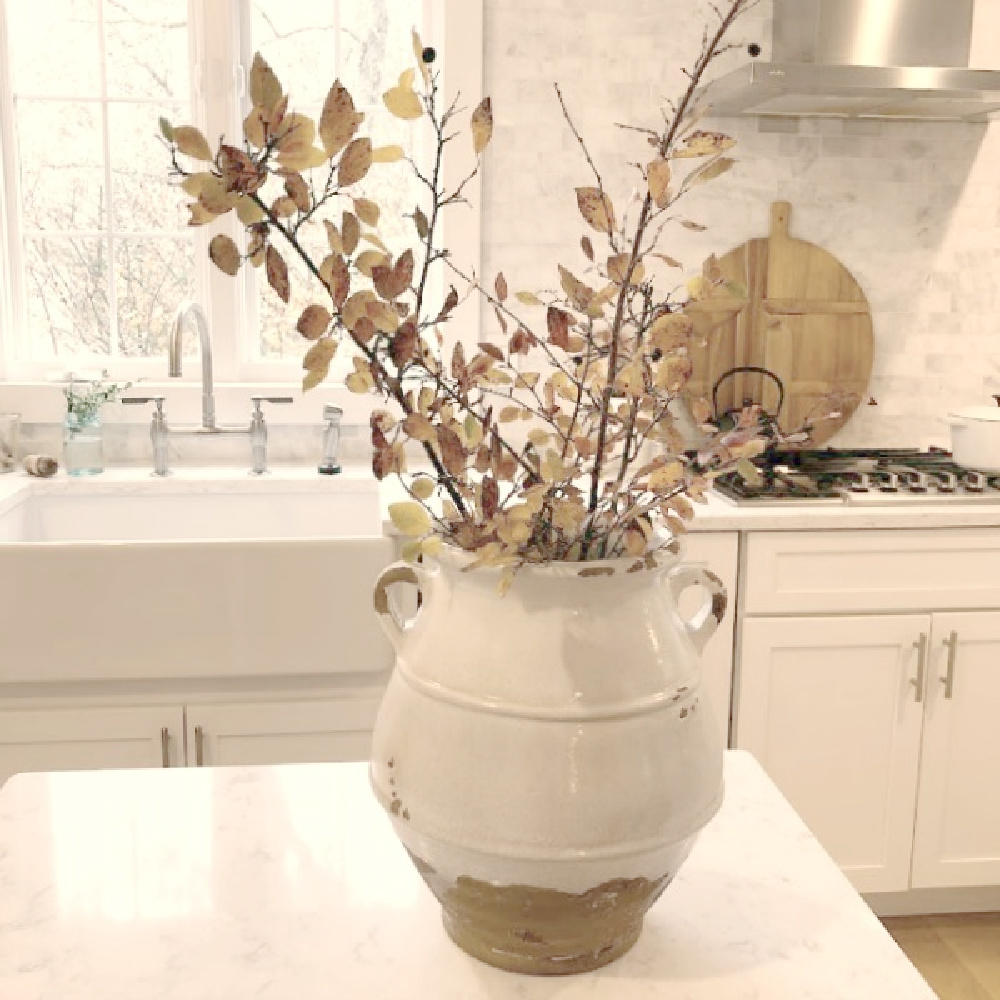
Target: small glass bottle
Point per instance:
(329, 465)
(83, 440)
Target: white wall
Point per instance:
(912, 209)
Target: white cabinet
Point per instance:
(847, 707)
(126, 736)
(957, 834)
(827, 707)
(280, 732)
(66, 739)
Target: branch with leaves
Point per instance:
(540, 446)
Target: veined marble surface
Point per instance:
(287, 883)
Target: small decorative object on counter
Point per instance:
(329, 465)
(40, 465)
(543, 749)
(83, 431)
(10, 428)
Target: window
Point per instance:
(96, 255)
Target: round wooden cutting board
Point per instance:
(804, 318)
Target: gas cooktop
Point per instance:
(881, 476)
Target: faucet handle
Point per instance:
(257, 400)
(138, 400)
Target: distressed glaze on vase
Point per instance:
(546, 757)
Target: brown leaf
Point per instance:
(283, 207)
(558, 322)
(451, 300)
(298, 191)
(239, 172)
(522, 341)
(356, 307)
(596, 208)
(277, 274)
(224, 253)
(191, 142)
(453, 454)
(491, 496)
(265, 90)
(313, 322)
(501, 319)
(420, 221)
(459, 369)
(383, 316)
(214, 196)
(658, 179)
(367, 211)
(350, 233)
(581, 296)
(404, 344)
(696, 227)
(419, 427)
(500, 286)
(669, 261)
(391, 282)
(355, 162)
(255, 129)
(335, 274)
(247, 210)
(363, 330)
(338, 121)
(587, 247)
(482, 126)
(366, 261)
(492, 350)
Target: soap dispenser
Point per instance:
(329, 465)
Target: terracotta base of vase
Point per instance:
(545, 932)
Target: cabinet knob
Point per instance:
(165, 747)
(199, 746)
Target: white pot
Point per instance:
(975, 437)
(546, 757)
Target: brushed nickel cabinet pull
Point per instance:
(921, 647)
(165, 746)
(951, 644)
(199, 746)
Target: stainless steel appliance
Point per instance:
(860, 476)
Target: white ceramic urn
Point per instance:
(546, 756)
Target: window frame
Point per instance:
(218, 85)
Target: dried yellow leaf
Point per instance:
(418, 54)
(248, 211)
(658, 179)
(338, 121)
(528, 298)
(191, 142)
(410, 518)
(367, 211)
(313, 377)
(320, 354)
(482, 125)
(265, 89)
(402, 100)
(313, 322)
(596, 208)
(368, 259)
(423, 487)
(387, 154)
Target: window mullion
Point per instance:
(109, 241)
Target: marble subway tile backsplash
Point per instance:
(912, 209)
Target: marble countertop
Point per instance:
(717, 514)
(287, 883)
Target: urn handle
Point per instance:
(394, 625)
(702, 625)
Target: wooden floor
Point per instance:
(958, 955)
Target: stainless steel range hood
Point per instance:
(896, 59)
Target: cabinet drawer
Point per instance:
(808, 571)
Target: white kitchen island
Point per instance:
(286, 882)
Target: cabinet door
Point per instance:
(280, 732)
(957, 834)
(828, 706)
(718, 552)
(87, 738)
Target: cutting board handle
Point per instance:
(781, 216)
